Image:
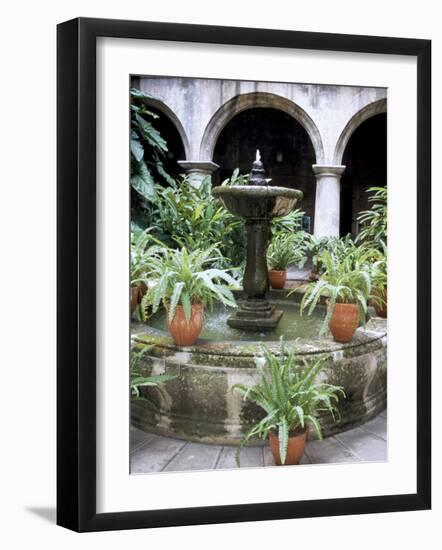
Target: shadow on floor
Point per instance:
(46, 513)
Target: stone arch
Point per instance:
(250, 101)
(370, 110)
(170, 114)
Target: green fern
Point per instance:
(179, 277)
(286, 249)
(344, 280)
(289, 395)
(374, 221)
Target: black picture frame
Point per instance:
(76, 273)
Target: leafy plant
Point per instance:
(374, 221)
(345, 281)
(285, 249)
(341, 247)
(138, 379)
(180, 277)
(291, 223)
(186, 216)
(315, 247)
(290, 397)
(147, 150)
(142, 247)
(236, 179)
(379, 275)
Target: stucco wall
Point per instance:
(327, 112)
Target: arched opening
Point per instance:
(286, 149)
(169, 132)
(365, 159)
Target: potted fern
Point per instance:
(284, 249)
(141, 252)
(291, 399)
(181, 283)
(346, 286)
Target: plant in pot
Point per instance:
(181, 283)
(346, 286)
(141, 251)
(291, 398)
(284, 249)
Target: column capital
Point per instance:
(198, 170)
(327, 170)
(201, 166)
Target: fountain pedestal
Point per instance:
(256, 313)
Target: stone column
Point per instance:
(197, 170)
(328, 199)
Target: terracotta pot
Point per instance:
(380, 306)
(142, 289)
(295, 448)
(185, 332)
(277, 278)
(134, 298)
(344, 322)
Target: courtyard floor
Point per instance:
(154, 453)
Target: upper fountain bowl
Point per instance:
(258, 201)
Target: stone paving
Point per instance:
(154, 453)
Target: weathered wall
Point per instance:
(195, 103)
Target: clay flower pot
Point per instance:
(277, 278)
(380, 306)
(344, 322)
(185, 332)
(295, 448)
(142, 289)
(134, 298)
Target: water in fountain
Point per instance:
(291, 325)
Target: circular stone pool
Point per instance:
(199, 405)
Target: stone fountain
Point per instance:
(257, 202)
(199, 404)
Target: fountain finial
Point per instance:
(257, 175)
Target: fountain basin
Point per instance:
(199, 405)
(258, 202)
